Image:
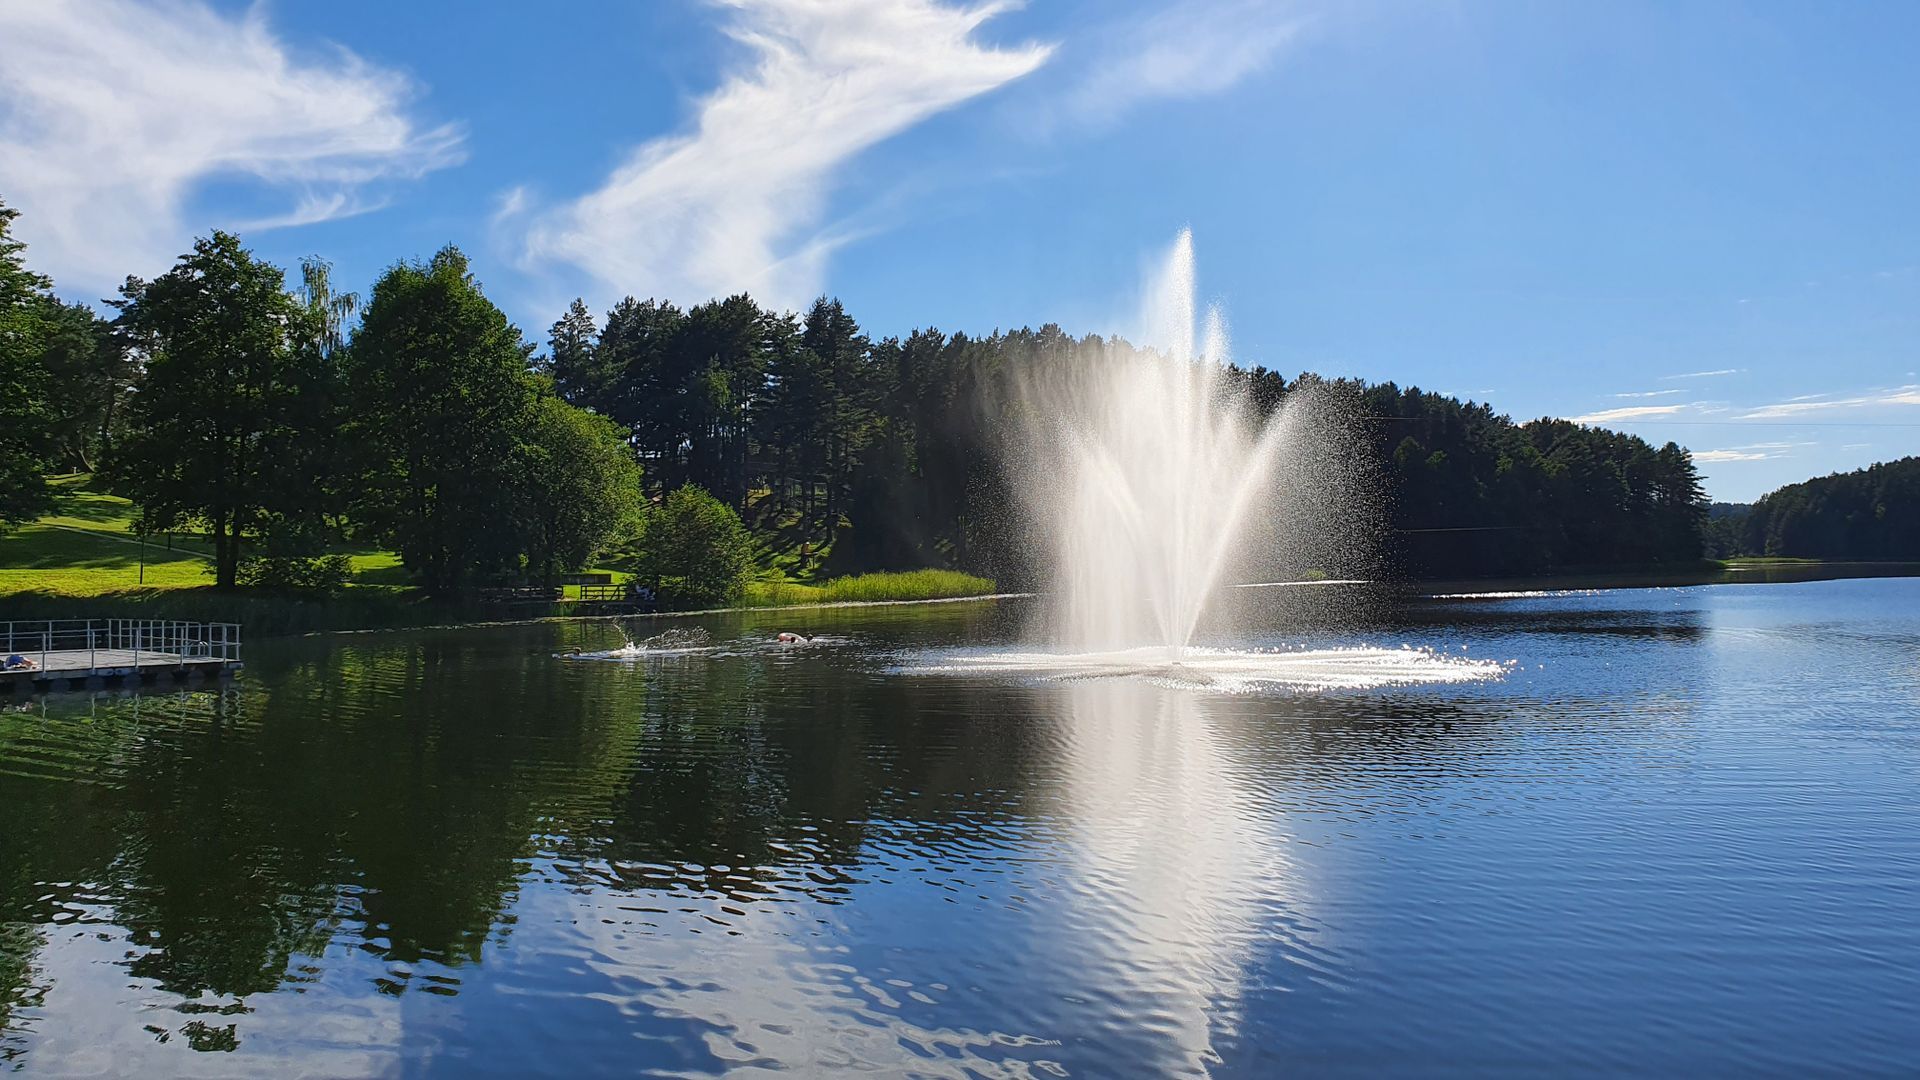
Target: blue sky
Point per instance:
(1699, 222)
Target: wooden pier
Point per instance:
(60, 651)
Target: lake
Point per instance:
(1676, 834)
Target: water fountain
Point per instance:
(1152, 481)
(1147, 467)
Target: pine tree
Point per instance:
(574, 361)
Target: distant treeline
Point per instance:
(1474, 494)
(278, 418)
(895, 446)
(1870, 513)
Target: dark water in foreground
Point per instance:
(1678, 837)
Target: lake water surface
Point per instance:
(1677, 835)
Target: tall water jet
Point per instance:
(1143, 471)
(1153, 478)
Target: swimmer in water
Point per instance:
(787, 638)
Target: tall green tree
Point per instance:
(25, 415)
(330, 311)
(580, 371)
(790, 422)
(636, 349)
(309, 509)
(218, 402)
(722, 368)
(441, 400)
(89, 374)
(846, 423)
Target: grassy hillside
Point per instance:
(88, 547)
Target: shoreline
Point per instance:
(743, 610)
(387, 612)
(1754, 573)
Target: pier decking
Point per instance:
(76, 650)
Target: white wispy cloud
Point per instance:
(1891, 397)
(736, 202)
(1187, 50)
(1650, 393)
(1631, 412)
(1716, 373)
(114, 112)
(1751, 452)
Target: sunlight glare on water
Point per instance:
(1232, 670)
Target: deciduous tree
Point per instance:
(441, 399)
(696, 548)
(581, 488)
(219, 400)
(24, 412)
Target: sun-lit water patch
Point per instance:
(696, 642)
(1520, 594)
(1305, 583)
(682, 641)
(1358, 667)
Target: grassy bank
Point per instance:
(86, 561)
(907, 585)
(1739, 561)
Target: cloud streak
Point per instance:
(1631, 412)
(113, 113)
(1714, 374)
(1650, 393)
(735, 204)
(1189, 50)
(1894, 397)
(1752, 452)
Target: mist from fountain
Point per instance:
(1150, 485)
(1146, 468)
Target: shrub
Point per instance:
(696, 548)
(325, 573)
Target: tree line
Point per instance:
(1870, 513)
(279, 418)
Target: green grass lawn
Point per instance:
(87, 548)
(46, 557)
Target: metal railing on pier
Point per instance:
(91, 644)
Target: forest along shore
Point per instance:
(1755, 571)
